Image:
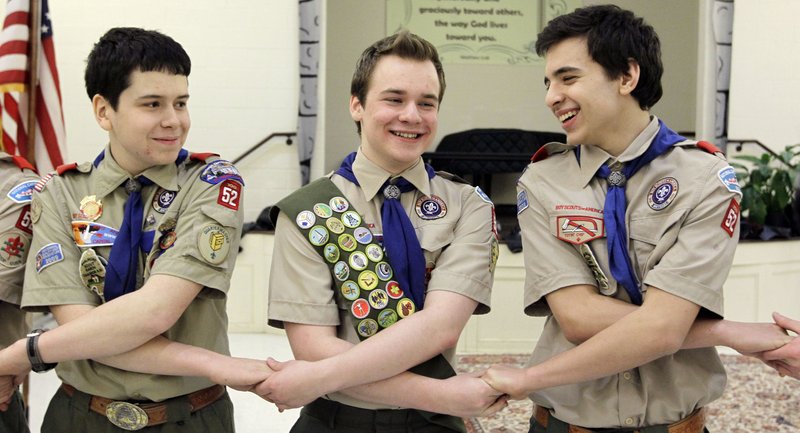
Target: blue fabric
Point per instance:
(399, 238)
(123, 260)
(616, 207)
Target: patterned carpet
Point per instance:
(756, 399)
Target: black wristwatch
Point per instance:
(34, 357)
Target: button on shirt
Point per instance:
(679, 248)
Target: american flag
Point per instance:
(14, 65)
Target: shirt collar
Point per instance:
(592, 157)
(110, 176)
(371, 177)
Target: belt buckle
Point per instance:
(127, 416)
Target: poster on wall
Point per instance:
(498, 32)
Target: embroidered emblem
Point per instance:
(39, 187)
(213, 242)
(378, 299)
(335, 225)
(230, 192)
(23, 192)
(350, 290)
(36, 209)
(92, 272)
(483, 195)
(578, 229)
(305, 219)
(163, 199)
(384, 271)
(351, 219)
(495, 254)
(322, 210)
(662, 193)
(522, 201)
(358, 261)
(374, 252)
(367, 280)
(48, 255)
(430, 208)
(318, 235)
(339, 204)
(167, 240)
(25, 220)
(728, 178)
(347, 242)
(341, 271)
(393, 290)
(167, 225)
(360, 308)
(405, 308)
(387, 318)
(90, 208)
(367, 328)
(220, 170)
(331, 253)
(594, 266)
(91, 234)
(731, 217)
(14, 249)
(362, 235)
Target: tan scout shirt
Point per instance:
(457, 249)
(196, 238)
(680, 247)
(15, 237)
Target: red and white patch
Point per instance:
(25, 220)
(230, 192)
(579, 229)
(731, 218)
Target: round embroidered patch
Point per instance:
(367, 328)
(350, 290)
(351, 219)
(360, 308)
(374, 252)
(331, 253)
(431, 208)
(347, 242)
(662, 193)
(367, 280)
(394, 290)
(318, 235)
(305, 219)
(335, 225)
(405, 307)
(387, 318)
(384, 271)
(322, 210)
(214, 243)
(341, 271)
(363, 235)
(162, 200)
(378, 299)
(339, 204)
(358, 260)
(13, 249)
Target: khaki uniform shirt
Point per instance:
(16, 186)
(197, 227)
(682, 243)
(458, 249)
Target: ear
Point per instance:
(102, 111)
(630, 79)
(356, 108)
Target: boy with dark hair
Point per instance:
(378, 266)
(629, 231)
(133, 255)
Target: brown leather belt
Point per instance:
(693, 423)
(134, 416)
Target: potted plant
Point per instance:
(769, 191)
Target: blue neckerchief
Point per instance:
(615, 208)
(123, 260)
(399, 238)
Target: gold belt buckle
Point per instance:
(127, 416)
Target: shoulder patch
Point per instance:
(220, 170)
(48, 255)
(522, 201)
(23, 192)
(483, 195)
(728, 178)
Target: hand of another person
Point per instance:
(752, 338)
(241, 374)
(14, 360)
(7, 388)
(467, 395)
(785, 359)
(507, 379)
(292, 384)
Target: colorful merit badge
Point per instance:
(305, 219)
(339, 204)
(90, 208)
(430, 208)
(48, 255)
(322, 210)
(92, 234)
(367, 328)
(579, 229)
(214, 243)
(351, 219)
(350, 290)
(363, 235)
(93, 272)
(23, 192)
(163, 199)
(219, 171)
(318, 235)
(405, 307)
(14, 249)
(662, 193)
(728, 178)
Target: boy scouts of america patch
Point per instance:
(14, 249)
(23, 192)
(662, 193)
(214, 243)
(579, 229)
(48, 255)
(163, 199)
(219, 171)
(92, 271)
(430, 208)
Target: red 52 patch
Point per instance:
(731, 217)
(24, 222)
(230, 192)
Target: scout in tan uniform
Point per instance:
(133, 254)
(629, 231)
(335, 280)
(16, 187)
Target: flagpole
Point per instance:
(33, 77)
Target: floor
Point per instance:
(252, 414)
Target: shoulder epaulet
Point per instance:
(451, 176)
(550, 149)
(202, 157)
(708, 147)
(22, 163)
(63, 168)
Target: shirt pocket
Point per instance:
(651, 237)
(433, 239)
